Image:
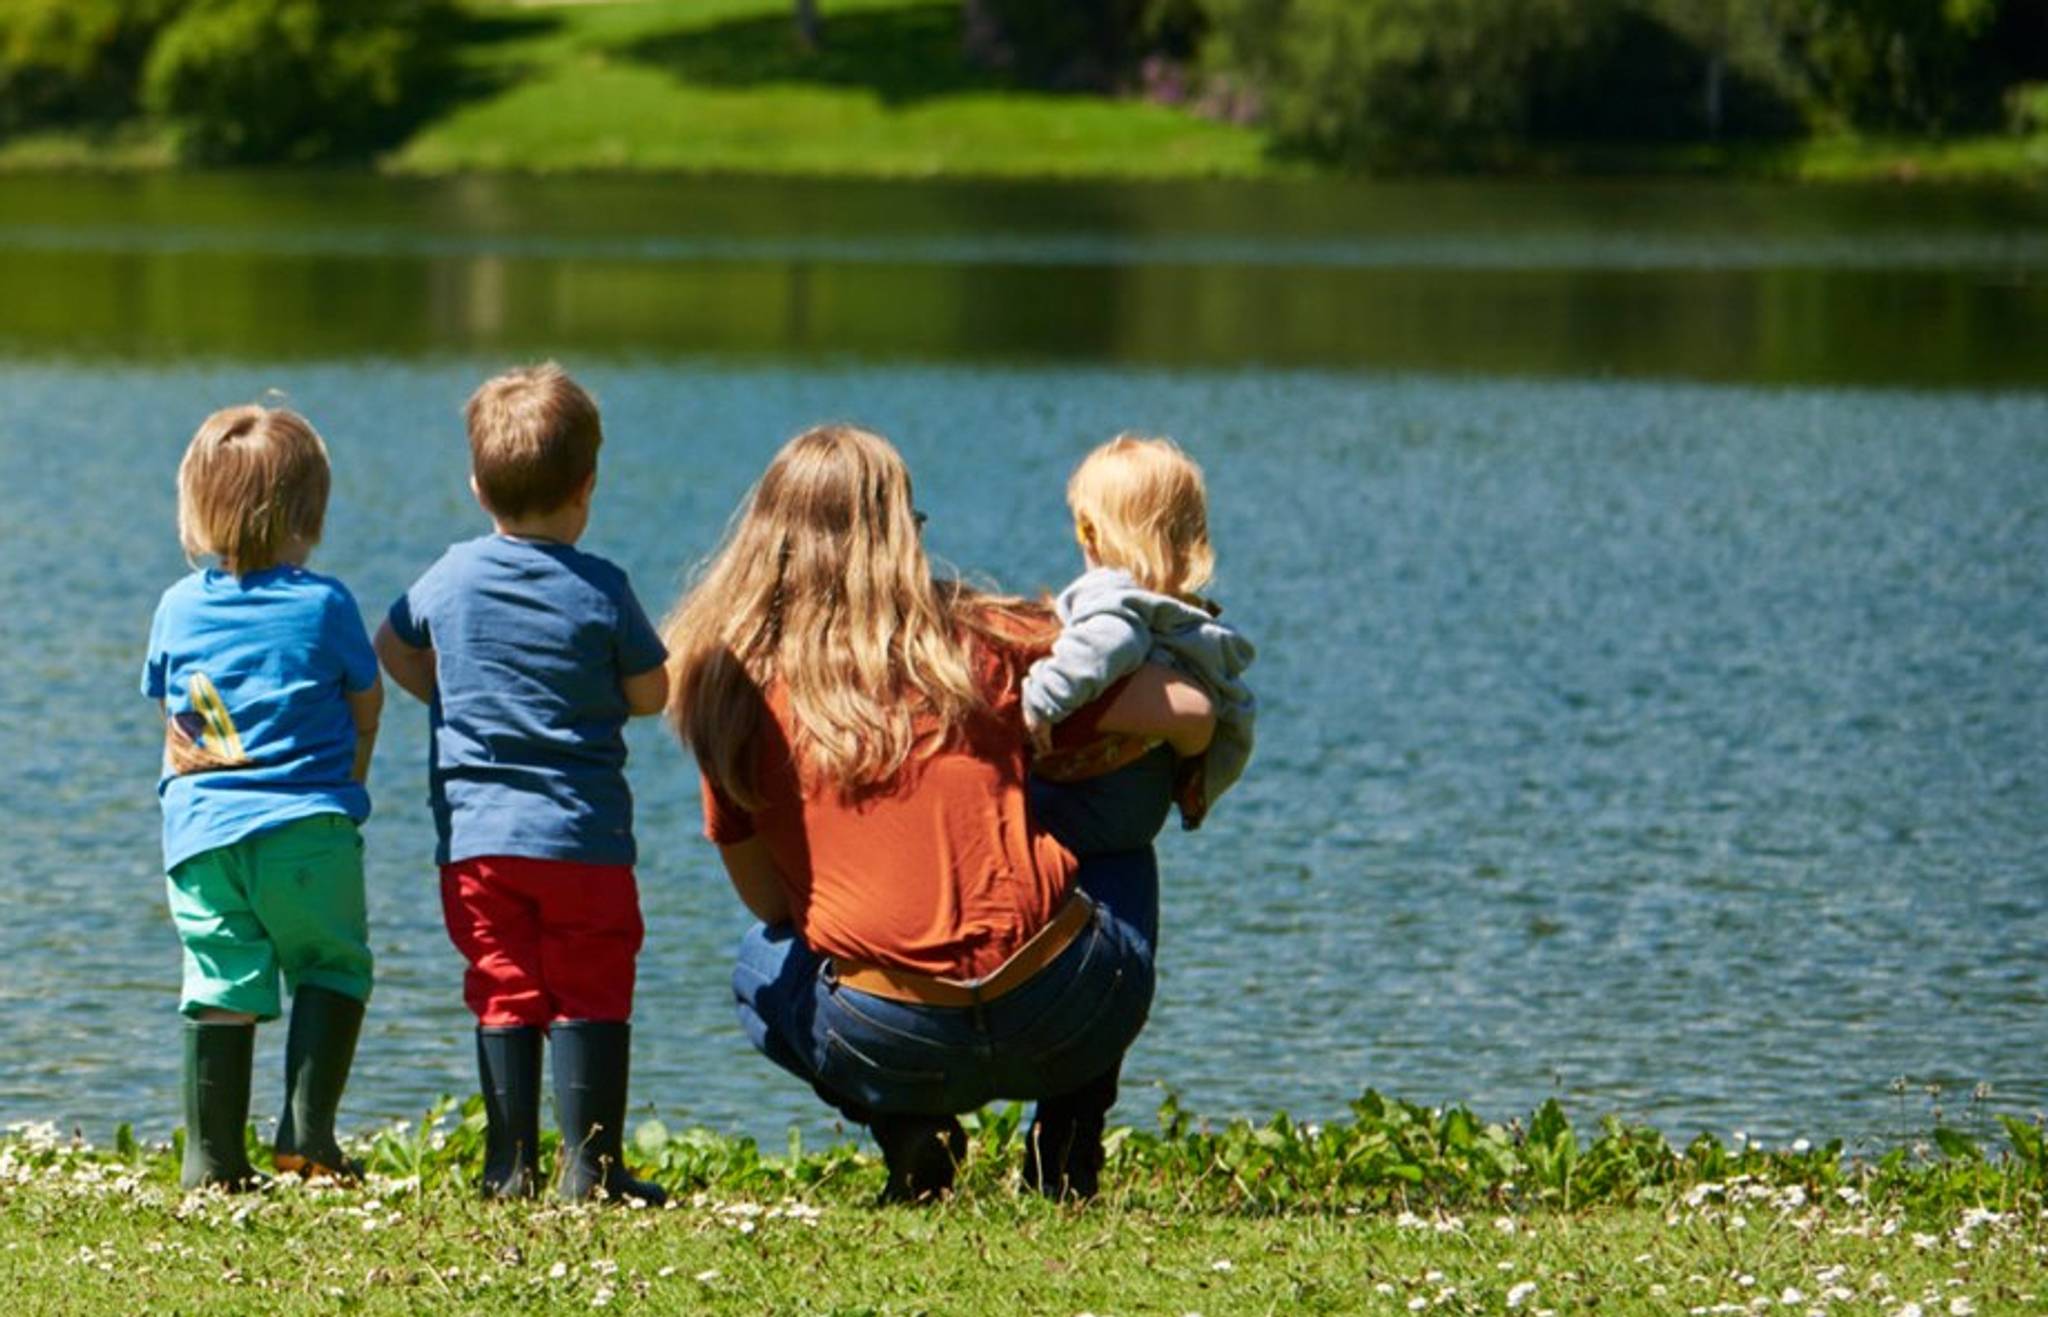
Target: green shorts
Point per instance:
(288, 899)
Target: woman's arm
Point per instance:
(1159, 702)
(756, 879)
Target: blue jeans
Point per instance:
(1068, 1026)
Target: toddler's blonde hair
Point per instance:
(252, 485)
(1140, 505)
(533, 440)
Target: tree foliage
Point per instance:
(1445, 81)
(295, 80)
(74, 59)
(1407, 80)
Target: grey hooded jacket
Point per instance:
(1110, 626)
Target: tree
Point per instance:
(809, 32)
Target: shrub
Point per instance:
(296, 80)
(1078, 43)
(74, 59)
(1400, 81)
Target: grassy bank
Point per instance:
(1397, 1210)
(720, 86)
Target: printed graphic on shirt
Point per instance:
(204, 737)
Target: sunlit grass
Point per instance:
(1397, 1210)
(721, 86)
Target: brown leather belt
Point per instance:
(930, 990)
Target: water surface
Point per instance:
(1652, 703)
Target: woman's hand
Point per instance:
(1161, 703)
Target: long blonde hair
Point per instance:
(822, 585)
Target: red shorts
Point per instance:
(546, 940)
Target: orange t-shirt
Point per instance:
(937, 872)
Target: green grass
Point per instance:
(1399, 1209)
(720, 86)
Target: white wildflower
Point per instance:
(1961, 1306)
(1521, 1293)
(559, 1270)
(1223, 1264)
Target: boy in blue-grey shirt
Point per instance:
(531, 655)
(271, 699)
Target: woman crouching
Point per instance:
(924, 948)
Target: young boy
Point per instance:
(271, 700)
(531, 655)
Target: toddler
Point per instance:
(1141, 517)
(270, 694)
(531, 655)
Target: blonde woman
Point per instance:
(923, 948)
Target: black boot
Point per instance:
(317, 1054)
(217, 1059)
(508, 1064)
(921, 1152)
(591, 1059)
(1063, 1148)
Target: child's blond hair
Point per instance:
(1139, 504)
(533, 440)
(251, 488)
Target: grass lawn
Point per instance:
(722, 86)
(1402, 1210)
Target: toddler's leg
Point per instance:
(307, 882)
(590, 934)
(230, 982)
(495, 922)
(218, 1056)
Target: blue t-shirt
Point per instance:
(256, 668)
(531, 641)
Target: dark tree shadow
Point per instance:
(901, 55)
(459, 81)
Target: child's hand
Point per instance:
(1039, 731)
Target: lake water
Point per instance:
(1651, 584)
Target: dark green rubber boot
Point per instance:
(1063, 1147)
(591, 1063)
(922, 1154)
(508, 1064)
(317, 1055)
(217, 1059)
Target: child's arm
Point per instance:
(646, 693)
(366, 706)
(1091, 654)
(411, 667)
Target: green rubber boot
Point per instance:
(317, 1054)
(590, 1099)
(217, 1060)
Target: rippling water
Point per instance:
(1677, 749)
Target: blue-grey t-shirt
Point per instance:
(531, 641)
(256, 668)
